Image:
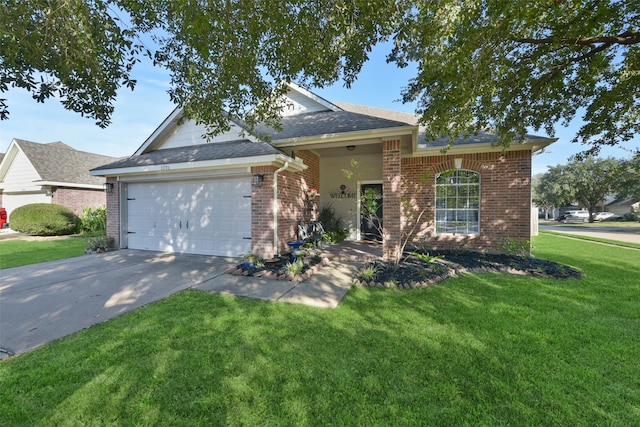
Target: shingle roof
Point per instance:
(196, 153)
(59, 162)
(326, 123)
(480, 138)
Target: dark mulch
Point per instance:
(276, 268)
(413, 273)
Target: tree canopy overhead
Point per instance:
(480, 64)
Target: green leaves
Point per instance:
(490, 64)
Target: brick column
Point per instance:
(113, 212)
(262, 213)
(391, 193)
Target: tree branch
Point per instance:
(625, 38)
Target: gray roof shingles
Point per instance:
(326, 123)
(59, 162)
(196, 153)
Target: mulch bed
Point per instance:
(414, 273)
(276, 268)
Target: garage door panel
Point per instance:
(209, 217)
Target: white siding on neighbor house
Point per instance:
(191, 134)
(298, 103)
(21, 175)
(12, 201)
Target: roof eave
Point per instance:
(345, 136)
(70, 184)
(263, 160)
(533, 145)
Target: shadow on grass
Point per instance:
(477, 349)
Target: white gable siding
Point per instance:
(21, 175)
(297, 103)
(191, 134)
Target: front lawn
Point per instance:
(479, 349)
(17, 252)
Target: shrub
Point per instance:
(329, 219)
(43, 219)
(294, 267)
(93, 220)
(100, 243)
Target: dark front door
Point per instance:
(371, 211)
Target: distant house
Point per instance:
(50, 173)
(622, 207)
(240, 193)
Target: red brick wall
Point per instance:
(505, 205)
(113, 212)
(391, 183)
(291, 204)
(77, 199)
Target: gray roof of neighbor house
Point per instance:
(326, 122)
(196, 153)
(59, 162)
(480, 138)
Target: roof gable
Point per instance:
(173, 133)
(56, 162)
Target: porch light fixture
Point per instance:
(351, 147)
(457, 163)
(108, 187)
(257, 180)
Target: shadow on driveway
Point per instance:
(43, 302)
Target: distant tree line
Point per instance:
(587, 182)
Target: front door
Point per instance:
(371, 212)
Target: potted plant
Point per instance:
(250, 260)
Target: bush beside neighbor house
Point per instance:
(43, 219)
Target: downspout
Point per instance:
(275, 207)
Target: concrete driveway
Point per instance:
(43, 302)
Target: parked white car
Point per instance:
(574, 216)
(605, 216)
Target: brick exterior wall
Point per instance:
(113, 212)
(505, 192)
(292, 205)
(77, 199)
(391, 212)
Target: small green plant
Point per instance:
(43, 219)
(294, 267)
(100, 243)
(426, 258)
(513, 246)
(93, 220)
(369, 272)
(335, 236)
(253, 259)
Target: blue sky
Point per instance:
(139, 113)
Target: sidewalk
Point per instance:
(324, 289)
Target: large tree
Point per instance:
(629, 181)
(590, 180)
(550, 190)
(493, 64)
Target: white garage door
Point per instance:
(211, 217)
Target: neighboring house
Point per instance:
(50, 173)
(623, 207)
(238, 194)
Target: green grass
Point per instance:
(593, 239)
(480, 349)
(17, 252)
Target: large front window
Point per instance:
(458, 202)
